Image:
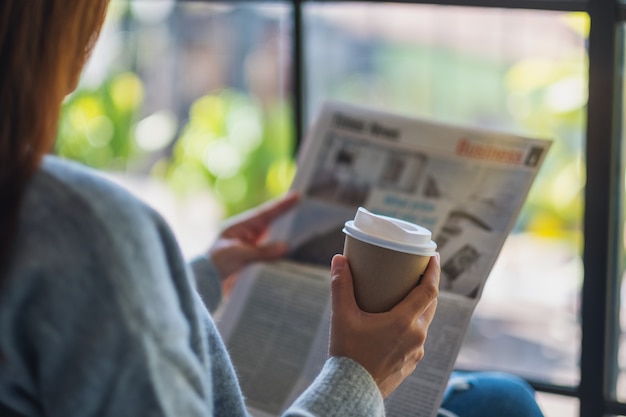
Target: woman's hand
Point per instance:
(239, 244)
(388, 345)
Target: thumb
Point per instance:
(342, 290)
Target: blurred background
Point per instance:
(189, 105)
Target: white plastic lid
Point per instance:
(390, 233)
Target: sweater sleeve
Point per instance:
(342, 389)
(207, 282)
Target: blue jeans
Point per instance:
(489, 394)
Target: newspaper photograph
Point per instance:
(465, 185)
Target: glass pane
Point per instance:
(513, 70)
(187, 104)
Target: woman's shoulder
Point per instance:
(74, 186)
(66, 193)
(74, 209)
(80, 233)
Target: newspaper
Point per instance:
(466, 185)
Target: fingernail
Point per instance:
(337, 264)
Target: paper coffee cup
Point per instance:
(387, 257)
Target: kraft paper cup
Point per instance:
(387, 257)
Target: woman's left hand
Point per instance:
(240, 243)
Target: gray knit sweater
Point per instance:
(100, 316)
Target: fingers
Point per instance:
(250, 225)
(270, 252)
(342, 291)
(247, 254)
(429, 314)
(418, 301)
(280, 206)
(269, 211)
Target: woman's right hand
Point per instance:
(388, 345)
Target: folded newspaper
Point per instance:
(466, 185)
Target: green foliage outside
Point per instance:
(229, 144)
(96, 125)
(244, 154)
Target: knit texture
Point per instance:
(100, 316)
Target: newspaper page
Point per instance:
(464, 184)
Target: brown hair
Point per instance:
(43, 46)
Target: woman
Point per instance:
(98, 310)
(99, 314)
